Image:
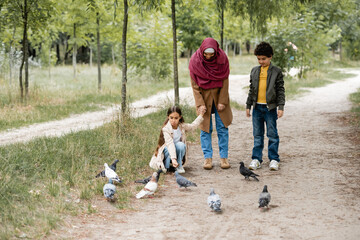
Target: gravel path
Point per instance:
(315, 195)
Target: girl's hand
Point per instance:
(202, 110)
(248, 113)
(220, 107)
(174, 163)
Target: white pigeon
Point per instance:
(111, 174)
(214, 201)
(149, 188)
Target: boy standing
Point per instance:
(266, 93)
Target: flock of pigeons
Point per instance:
(151, 184)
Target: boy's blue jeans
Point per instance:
(261, 116)
(180, 153)
(223, 138)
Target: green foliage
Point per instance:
(310, 37)
(150, 44)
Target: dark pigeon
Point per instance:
(146, 180)
(112, 166)
(264, 198)
(182, 181)
(247, 172)
(214, 201)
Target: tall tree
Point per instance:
(123, 54)
(221, 4)
(176, 78)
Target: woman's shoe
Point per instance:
(224, 164)
(208, 164)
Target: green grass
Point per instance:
(47, 178)
(59, 96)
(355, 98)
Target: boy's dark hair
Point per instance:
(264, 49)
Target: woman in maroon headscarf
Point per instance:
(209, 71)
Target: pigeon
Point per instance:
(264, 198)
(214, 201)
(111, 174)
(246, 172)
(112, 166)
(182, 181)
(109, 190)
(146, 180)
(149, 188)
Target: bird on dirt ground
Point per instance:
(182, 181)
(247, 172)
(264, 198)
(214, 201)
(150, 187)
(146, 180)
(111, 174)
(112, 166)
(109, 190)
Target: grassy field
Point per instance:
(59, 95)
(47, 178)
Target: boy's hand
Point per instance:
(202, 110)
(220, 107)
(280, 113)
(248, 113)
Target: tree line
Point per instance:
(148, 35)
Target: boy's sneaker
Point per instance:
(180, 169)
(274, 165)
(255, 164)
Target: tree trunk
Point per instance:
(340, 51)
(124, 64)
(176, 80)
(66, 50)
(58, 58)
(25, 49)
(11, 56)
(50, 61)
(98, 49)
(74, 52)
(113, 54)
(90, 61)
(222, 27)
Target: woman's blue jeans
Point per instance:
(223, 138)
(261, 116)
(180, 153)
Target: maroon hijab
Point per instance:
(209, 73)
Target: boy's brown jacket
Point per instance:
(207, 97)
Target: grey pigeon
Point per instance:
(111, 174)
(264, 198)
(247, 172)
(112, 166)
(146, 180)
(214, 201)
(149, 188)
(182, 181)
(109, 190)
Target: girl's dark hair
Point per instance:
(170, 110)
(264, 49)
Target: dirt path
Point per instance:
(315, 195)
(91, 120)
